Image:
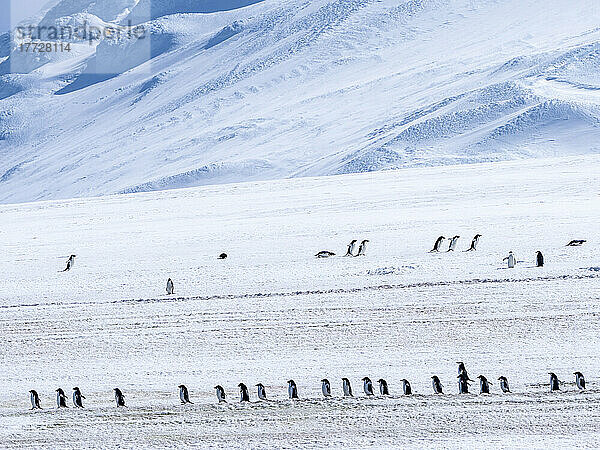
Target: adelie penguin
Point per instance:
(77, 398)
(220, 393)
(292, 390)
(511, 260)
(119, 398)
(325, 254)
(70, 263)
(406, 387)
(461, 369)
(61, 398)
(368, 386)
(346, 387)
(325, 388)
(576, 243)
(244, 396)
(262, 393)
(554, 382)
(504, 385)
(383, 387)
(438, 388)
(438, 243)
(463, 383)
(362, 248)
(484, 385)
(474, 243)
(184, 395)
(35, 400)
(453, 242)
(539, 259)
(579, 380)
(350, 251)
(222, 256)
(170, 287)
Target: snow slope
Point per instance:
(243, 90)
(272, 311)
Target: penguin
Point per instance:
(324, 254)
(220, 393)
(325, 387)
(406, 387)
(436, 246)
(579, 380)
(350, 251)
(119, 398)
(70, 263)
(61, 399)
(512, 261)
(262, 393)
(576, 243)
(292, 390)
(362, 248)
(484, 385)
(368, 386)
(244, 396)
(222, 256)
(474, 243)
(77, 397)
(170, 287)
(504, 385)
(554, 382)
(184, 395)
(453, 242)
(35, 400)
(462, 369)
(437, 385)
(539, 259)
(383, 387)
(346, 387)
(463, 383)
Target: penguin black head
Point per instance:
(578, 374)
(290, 382)
(324, 380)
(217, 387)
(366, 379)
(381, 380)
(32, 392)
(259, 385)
(75, 388)
(181, 386)
(242, 386)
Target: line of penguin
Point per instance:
(438, 388)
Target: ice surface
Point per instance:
(250, 90)
(272, 311)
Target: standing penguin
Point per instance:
(119, 398)
(362, 248)
(170, 287)
(512, 261)
(220, 393)
(579, 380)
(539, 259)
(554, 382)
(383, 387)
(184, 395)
(368, 386)
(325, 387)
(461, 369)
(436, 246)
(350, 251)
(61, 399)
(77, 398)
(262, 393)
(474, 243)
(406, 387)
(453, 242)
(292, 390)
(484, 385)
(35, 400)
(346, 387)
(244, 396)
(437, 385)
(463, 383)
(504, 385)
(70, 263)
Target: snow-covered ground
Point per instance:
(272, 311)
(239, 90)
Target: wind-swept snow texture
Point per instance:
(242, 90)
(272, 311)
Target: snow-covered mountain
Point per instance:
(219, 91)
